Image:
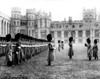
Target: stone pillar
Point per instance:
(55, 38)
(84, 36)
(38, 23)
(76, 40)
(48, 31)
(43, 23)
(3, 28)
(93, 34)
(62, 35)
(69, 34)
(39, 33)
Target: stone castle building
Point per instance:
(35, 24)
(4, 24)
(39, 24)
(89, 26)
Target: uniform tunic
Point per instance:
(89, 50)
(95, 50)
(70, 51)
(50, 53)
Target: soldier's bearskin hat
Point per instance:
(95, 41)
(8, 37)
(17, 36)
(49, 37)
(70, 39)
(88, 40)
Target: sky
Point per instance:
(59, 9)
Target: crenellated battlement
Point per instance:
(16, 9)
(89, 10)
(31, 11)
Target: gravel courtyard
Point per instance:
(62, 68)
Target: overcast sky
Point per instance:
(59, 9)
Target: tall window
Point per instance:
(33, 33)
(43, 34)
(32, 23)
(52, 33)
(73, 33)
(40, 22)
(29, 23)
(17, 22)
(65, 33)
(22, 31)
(29, 32)
(88, 33)
(36, 34)
(14, 23)
(96, 33)
(80, 33)
(59, 34)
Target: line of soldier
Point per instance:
(91, 51)
(19, 49)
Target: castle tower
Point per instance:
(15, 19)
(43, 23)
(89, 15)
(31, 16)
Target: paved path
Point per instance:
(62, 68)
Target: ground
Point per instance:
(62, 68)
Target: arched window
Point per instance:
(80, 33)
(96, 33)
(14, 22)
(65, 34)
(87, 33)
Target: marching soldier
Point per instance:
(70, 51)
(95, 50)
(9, 50)
(59, 45)
(89, 48)
(62, 45)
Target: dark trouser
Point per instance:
(9, 63)
(49, 63)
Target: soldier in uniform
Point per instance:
(70, 51)
(95, 50)
(89, 48)
(59, 45)
(62, 45)
(9, 50)
(51, 49)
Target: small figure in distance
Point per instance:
(51, 49)
(95, 49)
(70, 51)
(62, 45)
(59, 45)
(89, 48)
